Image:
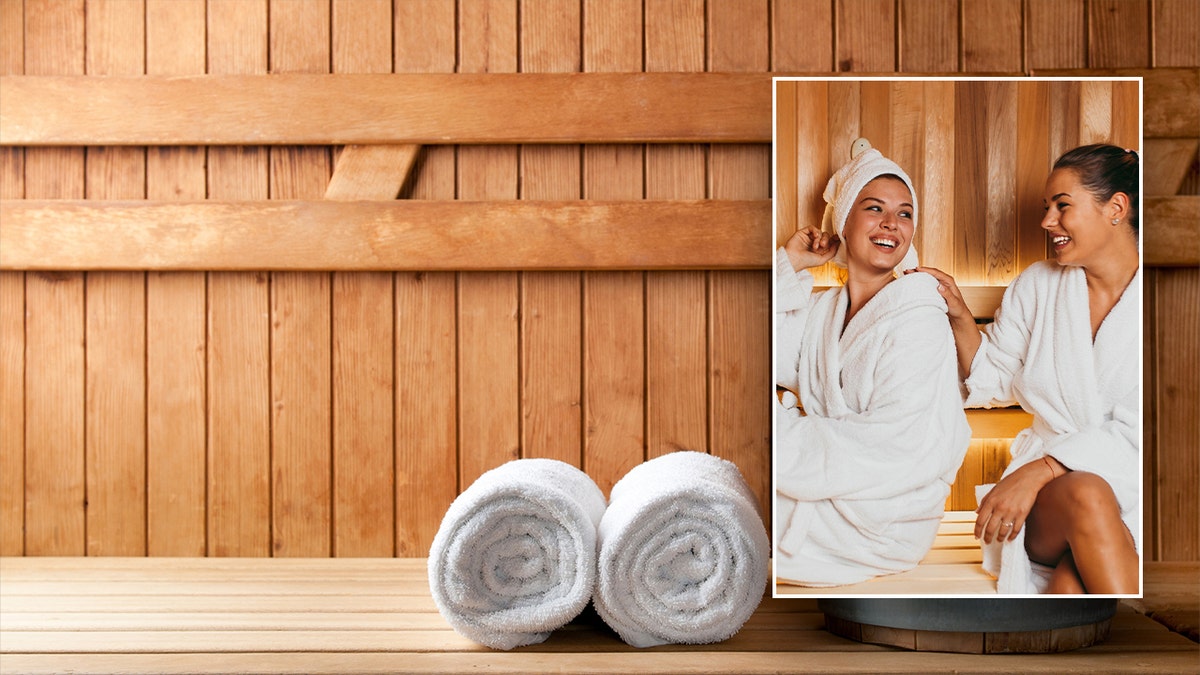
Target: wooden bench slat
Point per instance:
(389, 235)
(425, 108)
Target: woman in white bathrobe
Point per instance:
(1066, 515)
(863, 470)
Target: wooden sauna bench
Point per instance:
(264, 615)
(952, 567)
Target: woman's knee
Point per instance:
(1082, 497)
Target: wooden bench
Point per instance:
(201, 615)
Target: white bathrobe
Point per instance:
(861, 479)
(1085, 396)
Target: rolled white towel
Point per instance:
(683, 552)
(515, 555)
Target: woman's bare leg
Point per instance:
(1077, 515)
(1065, 578)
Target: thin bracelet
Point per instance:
(1048, 466)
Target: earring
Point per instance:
(1116, 221)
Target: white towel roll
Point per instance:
(683, 552)
(515, 555)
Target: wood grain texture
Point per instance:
(12, 413)
(928, 44)
(614, 322)
(551, 311)
(1170, 230)
(1177, 358)
(54, 305)
(1055, 33)
(1167, 163)
(1001, 211)
(1118, 33)
(865, 36)
(676, 303)
(426, 396)
(175, 314)
(488, 303)
(364, 347)
(991, 37)
(1175, 25)
(937, 205)
(238, 320)
(115, 311)
(802, 36)
(306, 109)
(1033, 167)
(739, 338)
(411, 235)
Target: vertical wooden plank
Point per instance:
(676, 303)
(928, 36)
(54, 316)
(1095, 111)
(613, 302)
(12, 315)
(991, 36)
(364, 347)
(301, 408)
(1054, 34)
(970, 178)
(1118, 33)
(1176, 25)
(175, 314)
(739, 317)
(1151, 549)
(786, 133)
(489, 433)
(1126, 115)
(1001, 213)
(843, 100)
(115, 334)
(1033, 166)
(875, 119)
(907, 134)
(866, 36)
(425, 41)
(426, 396)
(802, 36)
(1177, 397)
(1064, 117)
(937, 231)
(551, 330)
(239, 406)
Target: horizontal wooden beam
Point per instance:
(1169, 97)
(431, 108)
(387, 235)
(1171, 231)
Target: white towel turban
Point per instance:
(842, 191)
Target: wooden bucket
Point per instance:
(972, 625)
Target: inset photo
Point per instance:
(957, 337)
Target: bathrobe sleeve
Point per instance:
(912, 431)
(1002, 350)
(1109, 450)
(793, 302)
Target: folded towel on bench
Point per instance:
(683, 552)
(515, 555)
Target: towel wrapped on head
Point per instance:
(683, 552)
(843, 187)
(515, 555)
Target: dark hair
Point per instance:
(1105, 170)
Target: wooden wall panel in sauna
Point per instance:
(339, 414)
(978, 153)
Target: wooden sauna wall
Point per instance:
(978, 153)
(338, 414)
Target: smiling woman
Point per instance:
(864, 464)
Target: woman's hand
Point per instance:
(956, 307)
(962, 321)
(1003, 510)
(811, 247)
